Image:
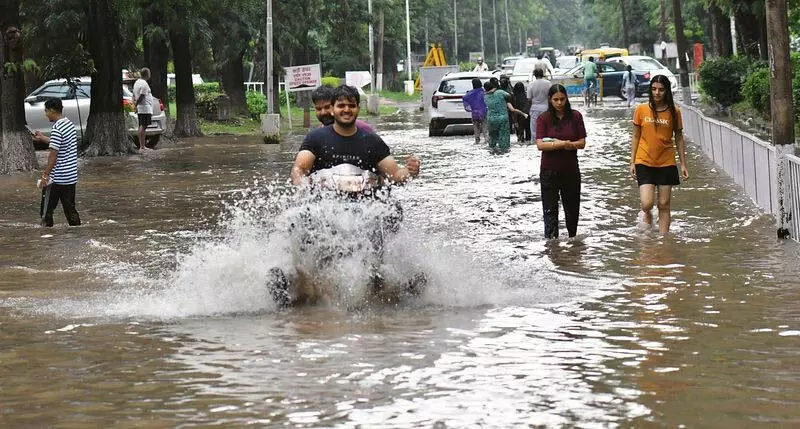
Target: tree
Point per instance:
(156, 48)
(16, 148)
(105, 128)
(182, 12)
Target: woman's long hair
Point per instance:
(660, 78)
(551, 111)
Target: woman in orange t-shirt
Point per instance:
(653, 151)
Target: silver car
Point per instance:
(76, 99)
(447, 113)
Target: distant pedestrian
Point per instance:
(538, 98)
(523, 125)
(657, 130)
(474, 102)
(143, 100)
(629, 85)
(542, 64)
(559, 134)
(481, 66)
(590, 75)
(498, 103)
(60, 175)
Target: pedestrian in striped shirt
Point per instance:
(61, 173)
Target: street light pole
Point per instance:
(480, 23)
(371, 51)
(455, 31)
(408, 50)
(494, 18)
(268, 73)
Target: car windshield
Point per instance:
(575, 70)
(457, 86)
(510, 61)
(645, 64)
(58, 90)
(524, 67)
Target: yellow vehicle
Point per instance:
(602, 54)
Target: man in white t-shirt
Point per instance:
(143, 100)
(544, 65)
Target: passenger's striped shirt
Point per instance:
(64, 140)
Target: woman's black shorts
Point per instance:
(646, 175)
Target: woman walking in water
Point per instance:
(498, 106)
(559, 134)
(657, 130)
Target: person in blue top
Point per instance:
(60, 175)
(474, 103)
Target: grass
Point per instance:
(249, 126)
(400, 97)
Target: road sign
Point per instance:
(529, 43)
(303, 78)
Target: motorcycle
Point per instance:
(336, 240)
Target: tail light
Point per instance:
(436, 98)
(161, 103)
(435, 101)
(647, 76)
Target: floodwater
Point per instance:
(154, 313)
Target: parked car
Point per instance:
(566, 62)
(522, 71)
(508, 63)
(611, 73)
(447, 114)
(648, 65)
(76, 99)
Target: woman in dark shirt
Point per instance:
(559, 134)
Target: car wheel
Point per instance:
(151, 141)
(621, 93)
(435, 132)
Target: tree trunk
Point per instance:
(622, 10)
(186, 124)
(16, 147)
(232, 82)
(663, 23)
(681, 41)
(106, 131)
(721, 32)
(156, 53)
(749, 31)
(762, 39)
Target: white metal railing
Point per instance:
(750, 161)
(254, 86)
(793, 195)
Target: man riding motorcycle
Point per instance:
(343, 153)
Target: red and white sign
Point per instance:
(303, 78)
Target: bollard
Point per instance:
(271, 128)
(373, 104)
(409, 87)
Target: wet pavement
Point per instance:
(154, 313)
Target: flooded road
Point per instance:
(154, 313)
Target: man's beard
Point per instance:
(325, 119)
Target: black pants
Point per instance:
(51, 195)
(567, 185)
(523, 128)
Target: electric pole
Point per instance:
(494, 16)
(681, 41)
(480, 22)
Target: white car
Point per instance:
(566, 62)
(447, 114)
(648, 65)
(76, 100)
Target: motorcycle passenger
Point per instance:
(344, 143)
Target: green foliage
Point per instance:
(466, 66)
(331, 81)
(755, 91)
(256, 104)
(198, 89)
(721, 79)
(207, 102)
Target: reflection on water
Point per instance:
(156, 310)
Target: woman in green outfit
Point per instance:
(498, 105)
